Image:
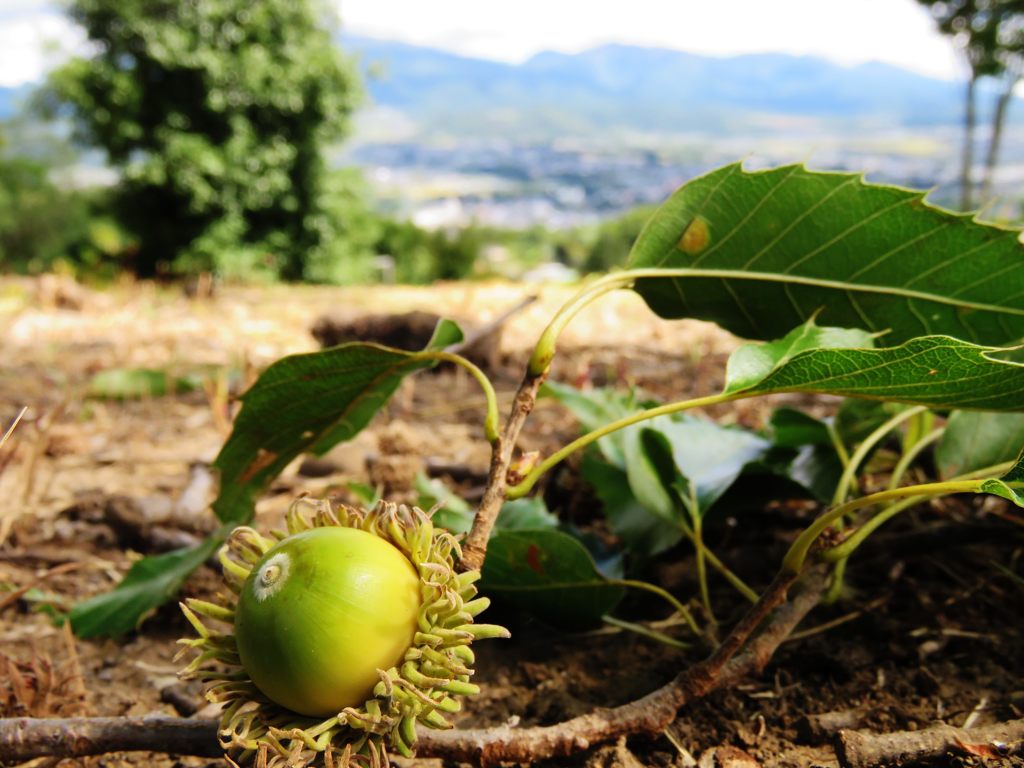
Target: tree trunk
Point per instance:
(998, 121)
(968, 149)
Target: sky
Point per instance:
(34, 35)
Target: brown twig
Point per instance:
(474, 548)
(651, 714)
(856, 749)
(479, 334)
(25, 738)
(11, 598)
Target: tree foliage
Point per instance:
(217, 113)
(991, 35)
(38, 221)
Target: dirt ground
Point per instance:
(930, 630)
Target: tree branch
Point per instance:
(650, 714)
(26, 738)
(474, 548)
(855, 749)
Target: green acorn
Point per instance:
(340, 636)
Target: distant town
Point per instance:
(563, 140)
(569, 184)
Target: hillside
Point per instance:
(617, 89)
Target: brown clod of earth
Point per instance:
(410, 331)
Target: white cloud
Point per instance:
(849, 31)
(32, 44)
(35, 36)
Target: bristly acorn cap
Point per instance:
(421, 688)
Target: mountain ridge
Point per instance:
(633, 88)
(617, 89)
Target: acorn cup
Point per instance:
(338, 637)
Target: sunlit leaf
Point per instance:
(752, 363)
(766, 250)
(309, 402)
(937, 371)
(594, 408)
(709, 457)
(149, 583)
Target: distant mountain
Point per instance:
(617, 90)
(620, 88)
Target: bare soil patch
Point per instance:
(929, 630)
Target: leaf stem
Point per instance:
(842, 551)
(665, 595)
(491, 429)
(524, 486)
(737, 583)
(640, 629)
(912, 453)
(835, 587)
(794, 559)
(849, 476)
(866, 446)
(544, 352)
(837, 443)
(847, 547)
(702, 568)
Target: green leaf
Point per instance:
(550, 575)
(977, 439)
(816, 468)
(453, 513)
(856, 419)
(640, 530)
(815, 465)
(1009, 486)
(650, 471)
(752, 363)
(137, 383)
(709, 456)
(309, 402)
(149, 583)
(446, 333)
(527, 513)
(790, 428)
(645, 465)
(766, 250)
(594, 408)
(937, 371)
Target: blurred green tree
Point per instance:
(38, 221)
(614, 239)
(991, 35)
(1009, 53)
(217, 112)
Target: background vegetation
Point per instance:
(219, 118)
